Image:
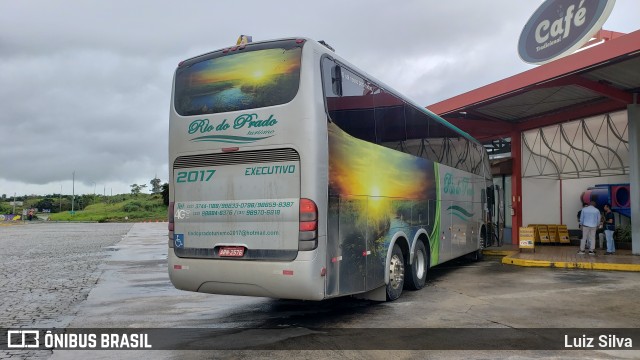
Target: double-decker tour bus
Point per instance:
(293, 174)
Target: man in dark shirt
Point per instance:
(609, 228)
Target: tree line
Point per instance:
(57, 202)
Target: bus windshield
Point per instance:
(249, 78)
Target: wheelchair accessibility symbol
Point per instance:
(178, 241)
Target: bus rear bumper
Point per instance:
(299, 279)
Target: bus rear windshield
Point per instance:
(258, 76)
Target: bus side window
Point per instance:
(336, 80)
(440, 141)
(390, 120)
(478, 163)
(353, 109)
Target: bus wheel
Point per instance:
(475, 256)
(417, 272)
(396, 274)
(479, 255)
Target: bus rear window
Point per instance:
(246, 79)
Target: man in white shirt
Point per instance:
(589, 220)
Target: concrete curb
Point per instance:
(508, 260)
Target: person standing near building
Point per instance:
(609, 228)
(584, 205)
(589, 220)
(600, 233)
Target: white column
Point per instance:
(633, 113)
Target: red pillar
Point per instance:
(516, 186)
(561, 202)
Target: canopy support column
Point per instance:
(516, 186)
(633, 113)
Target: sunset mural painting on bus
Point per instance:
(375, 202)
(241, 81)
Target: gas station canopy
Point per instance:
(546, 113)
(597, 80)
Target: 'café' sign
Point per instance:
(560, 27)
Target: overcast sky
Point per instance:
(85, 85)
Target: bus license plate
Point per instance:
(231, 251)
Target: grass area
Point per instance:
(142, 207)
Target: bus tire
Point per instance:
(417, 271)
(396, 274)
(479, 255)
(476, 255)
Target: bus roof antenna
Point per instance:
(244, 39)
(327, 45)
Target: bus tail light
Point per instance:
(171, 223)
(308, 238)
(308, 225)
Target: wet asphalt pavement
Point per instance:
(59, 265)
(47, 270)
